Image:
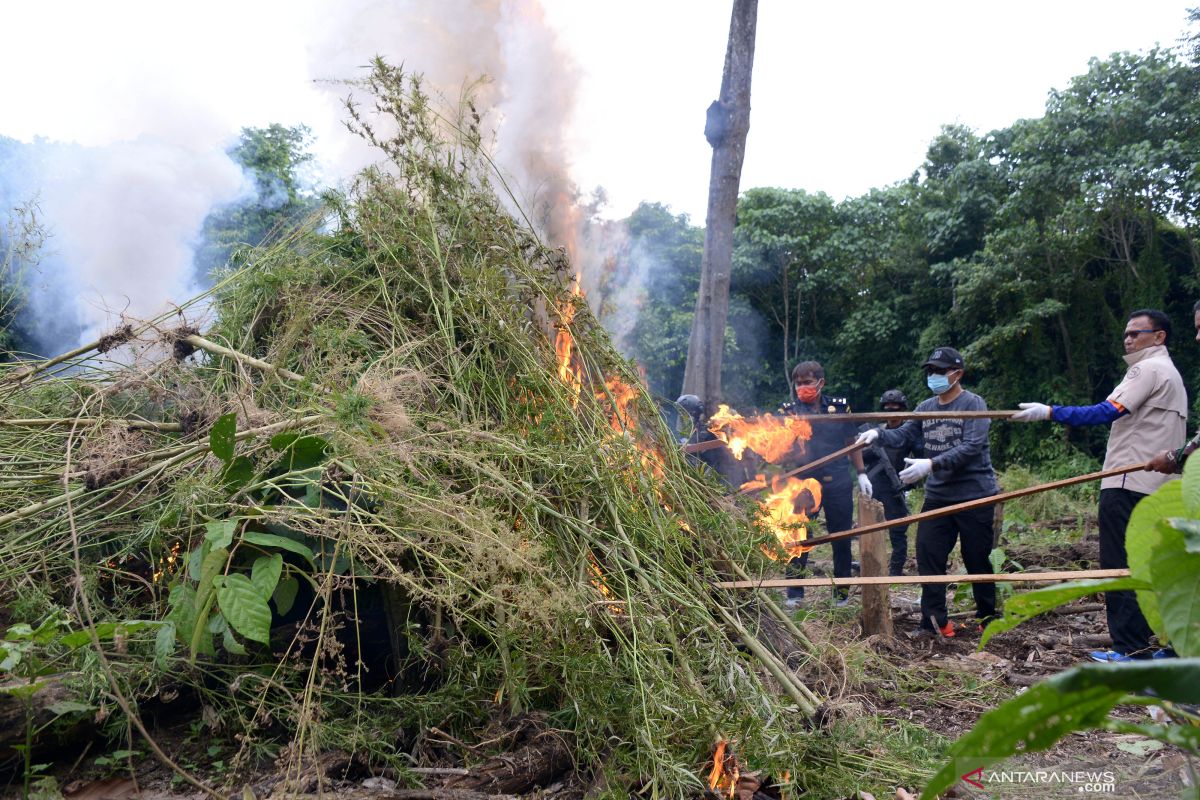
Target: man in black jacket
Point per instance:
(883, 465)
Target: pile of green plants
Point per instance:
(369, 500)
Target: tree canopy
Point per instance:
(1025, 247)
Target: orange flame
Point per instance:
(725, 772)
(786, 510)
(564, 344)
(772, 437)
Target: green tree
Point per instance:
(275, 158)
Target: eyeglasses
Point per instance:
(1136, 333)
(939, 370)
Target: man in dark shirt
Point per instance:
(959, 468)
(883, 468)
(808, 383)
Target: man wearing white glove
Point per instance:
(809, 398)
(1148, 414)
(958, 469)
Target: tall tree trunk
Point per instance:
(726, 128)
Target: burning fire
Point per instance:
(564, 344)
(778, 510)
(725, 773)
(772, 437)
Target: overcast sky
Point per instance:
(845, 97)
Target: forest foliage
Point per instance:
(1025, 247)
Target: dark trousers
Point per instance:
(935, 541)
(1129, 629)
(894, 507)
(838, 510)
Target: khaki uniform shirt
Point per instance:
(1153, 394)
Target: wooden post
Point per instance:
(997, 525)
(872, 555)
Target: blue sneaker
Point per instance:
(1163, 652)
(1108, 656)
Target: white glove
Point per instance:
(1031, 412)
(868, 436)
(917, 469)
(864, 485)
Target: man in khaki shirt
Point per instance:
(1148, 414)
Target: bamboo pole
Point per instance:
(898, 580)
(809, 467)
(220, 350)
(946, 511)
(904, 416)
(132, 424)
(700, 447)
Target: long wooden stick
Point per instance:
(946, 511)
(892, 580)
(700, 447)
(50, 422)
(903, 416)
(809, 467)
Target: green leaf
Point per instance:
(219, 533)
(1190, 487)
(182, 614)
(265, 574)
(10, 656)
(1025, 606)
(1142, 538)
(1176, 578)
(222, 437)
(214, 564)
(237, 474)
(232, 645)
(1190, 528)
(164, 643)
(245, 609)
(300, 452)
(285, 594)
(69, 707)
(1078, 699)
(280, 542)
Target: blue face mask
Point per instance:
(938, 384)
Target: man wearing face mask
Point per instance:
(958, 469)
(1148, 414)
(808, 383)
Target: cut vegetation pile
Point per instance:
(369, 509)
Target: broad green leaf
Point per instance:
(285, 594)
(244, 608)
(265, 574)
(10, 657)
(219, 533)
(69, 707)
(1142, 538)
(19, 632)
(1025, 606)
(1176, 578)
(1186, 737)
(217, 624)
(237, 474)
(300, 452)
(1190, 528)
(23, 691)
(221, 437)
(182, 614)
(280, 542)
(194, 559)
(232, 645)
(76, 639)
(1078, 699)
(1190, 487)
(164, 643)
(213, 565)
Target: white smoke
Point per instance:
(123, 221)
(527, 93)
